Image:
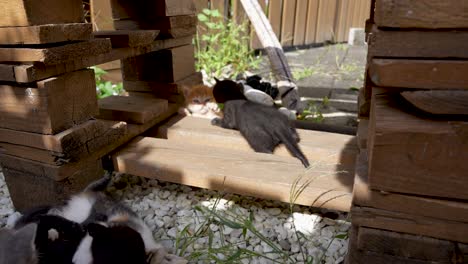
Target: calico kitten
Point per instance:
(17, 246)
(199, 102)
(264, 127)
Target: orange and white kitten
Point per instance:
(200, 102)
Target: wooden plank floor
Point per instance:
(242, 171)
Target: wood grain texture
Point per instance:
(168, 65)
(28, 73)
(31, 189)
(45, 34)
(363, 195)
(16, 13)
(312, 14)
(137, 110)
(287, 22)
(128, 38)
(51, 105)
(408, 246)
(419, 74)
(411, 224)
(65, 147)
(57, 54)
(446, 102)
(329, 148)
(416, 44)
(274, 16)
(326, 21)
(414, 154)
(362, 133)
(255, 174)
(414, 14)
(300, 23)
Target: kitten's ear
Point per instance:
(216, 80)
(185, 90)
(27, 233)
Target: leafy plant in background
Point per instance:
(223, 47)
(106, 88)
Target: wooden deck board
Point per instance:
(242, 172)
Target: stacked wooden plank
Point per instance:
(46, 126)
(51, 144)
(159, 73)
(410, 203)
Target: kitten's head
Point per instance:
(227, 90)
(199, 98)
(116, 244)
(17, 246)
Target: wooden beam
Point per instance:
(419, 74)
(29, 73)
(45, 34)
(20, 13)
(49, 106)
(246, 173)
(128, 38)
(404, 146)
(413, 14)
(58, 54)
(446, 102)
(416, 44)
(137, 110)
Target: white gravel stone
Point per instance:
(169, 208)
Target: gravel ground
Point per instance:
(171, 209)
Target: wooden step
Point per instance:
(334, 149)
(247, 173)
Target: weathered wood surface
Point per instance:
(65, 147)
(419, 74)
(45, 34)
(362, 133)
(149, 9)
(56, 54)
(254, 174)
(409, 246)
(414, 154)
(172, 27)
(30, 73)
(51, 105)
(410, 223)
(416, 44)
(31, 189)
(363, 195)
(161, 88)
(446, 102)
(16, 13)
(167, 66)
(428, 14)
(319, 147)
(128, 38)
(137, 110)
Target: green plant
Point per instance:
(313, 112)
(106, 88)
(223, 44)
(303, 73)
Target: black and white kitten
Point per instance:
(263, 127)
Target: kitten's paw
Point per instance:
(216, 121)
(52, 234)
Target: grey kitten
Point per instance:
(17, 246)
(264, 127)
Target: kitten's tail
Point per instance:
(290, 140)
(100, 184)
